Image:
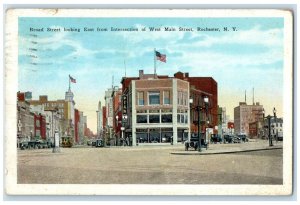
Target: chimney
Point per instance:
(141, 73)
(186, 75)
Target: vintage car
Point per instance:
(215, 138)
(228, 139)
(243, 138)
(193, 143)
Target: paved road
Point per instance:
(147, 165)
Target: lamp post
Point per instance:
(117, 124)
(275, 118)
(124, 118)
(269, 117)
(198, 108)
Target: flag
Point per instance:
(73, 80)
(161, 57)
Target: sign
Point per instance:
(124, 105)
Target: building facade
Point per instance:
(25, 121)
(158, 110)
(244, 115)
(99, 120)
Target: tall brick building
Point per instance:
(246, 114)
(158, 108)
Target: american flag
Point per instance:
(73, 80)
(161, 57)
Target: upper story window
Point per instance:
(154, 98)
(141, 98)
(167, 98)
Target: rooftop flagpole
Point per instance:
(69, 83)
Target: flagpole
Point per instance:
(154, 63)
(69, 83)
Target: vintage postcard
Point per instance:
(148, 102)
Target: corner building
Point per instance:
(159, 110)
(156, 108)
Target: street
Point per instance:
(147, 165)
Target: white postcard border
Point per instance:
(11, 87)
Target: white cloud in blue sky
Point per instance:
(249, 57)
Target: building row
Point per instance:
(152, 108)
(41, 118)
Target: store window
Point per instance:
(154, 136)
(142, 137)
(154, 98)
(167, 98)
(141, 119)
(141, 98)
(166, 118)
(153, 118)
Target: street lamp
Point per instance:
(123, 127)
(198, 108)
(275, 118)
(269, 125)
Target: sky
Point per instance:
(249, 57)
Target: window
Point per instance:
(185, 101)
(167, 98)
(166, 118)
(182, 118)
(154, 136)
(179, 97)
(141, 119)
(141, 98)
(153, 118)
(142, 137)
(154, 98)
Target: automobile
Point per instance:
(93, 142)
(228, 139)
(243, 138)
(236, 139)
(89, 143)
(193, 143)
(215, 138)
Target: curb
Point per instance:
(224, 152)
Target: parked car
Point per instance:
(236, 139)
(215, 138)
(228, 138)
(243, 138)
(194, 143)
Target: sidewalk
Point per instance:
(232, 148)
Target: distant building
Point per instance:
(99, 120)
(77, 121)
(244, 115)
(110, 118)
(81, 126)
(25, 120)
(277, 127)
(63, 107)
(117, 109)
(39, 126)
